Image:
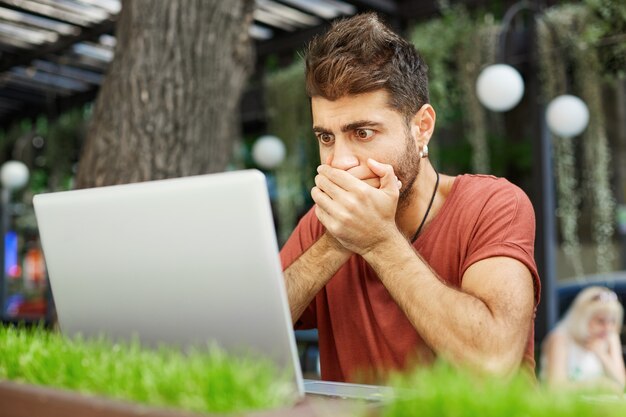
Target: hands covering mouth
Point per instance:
(357, 206)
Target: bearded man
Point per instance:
(398, 264)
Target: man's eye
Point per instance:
(325, 138)
(364, 133)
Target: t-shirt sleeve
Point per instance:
(505, 227)
(308, 230)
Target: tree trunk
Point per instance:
(169, 104)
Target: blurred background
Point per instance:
(99, 92)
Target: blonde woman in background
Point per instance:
(584, 349)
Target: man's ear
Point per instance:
(423, 125)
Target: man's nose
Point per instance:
(342, 157)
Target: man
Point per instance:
(396, 264)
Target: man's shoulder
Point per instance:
(484, 181)
(486, 196)
(481, 187)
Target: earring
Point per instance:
(424, 152)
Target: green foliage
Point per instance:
(455, 158)
(201, 381)
(444, 391)
(438, 40)
(567, 56)
(455, 47)
(607, 32)
(38, 181)
(51, 163)
(289, 118)
(9, 137)
(63, 139)
(289, 112)
(507, 155)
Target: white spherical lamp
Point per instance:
(268, 152)
(499, 87)
(13, 175)
(567, 116)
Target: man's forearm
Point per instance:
(311, 271)
(455, 324)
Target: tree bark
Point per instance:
(168, 106)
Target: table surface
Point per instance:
(23, 400)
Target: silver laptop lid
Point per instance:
(180, 261)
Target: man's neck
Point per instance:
(411, 214)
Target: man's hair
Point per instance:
(360, 55)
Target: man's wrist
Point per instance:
(334, 245)
(395, 244)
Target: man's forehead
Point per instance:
(352, 108)
(380, 96)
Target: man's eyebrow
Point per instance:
(359, 124)
(319, 129)
(350, 126)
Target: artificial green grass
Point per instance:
(444, 391)
(211, 381)
(200, 381)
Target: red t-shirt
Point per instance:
(362, 332)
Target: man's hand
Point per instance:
(357, 214)
(363, 173)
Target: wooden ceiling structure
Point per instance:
(54, 53)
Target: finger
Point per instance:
(328, 187)
(340, 177)
(326, 219)
(399, 183)
(388, 180)
(323, 200)
(373, 182)
(322, 216)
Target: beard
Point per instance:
(406, 169)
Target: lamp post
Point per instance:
(498, 88)
(13, 176)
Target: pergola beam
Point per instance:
(59, 105)
(389, 7)
(65, 42)
(288, 42)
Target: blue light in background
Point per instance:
(11, 266)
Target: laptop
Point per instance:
(181, 262)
